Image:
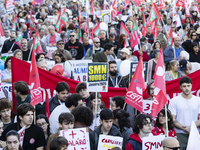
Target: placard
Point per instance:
(78, 139)
(147, 106)
(107, 142)
(80, 69)
(50, 50)
(152, 142)
(97, 80)
(133, 68)
(106, 17)
(21, 133)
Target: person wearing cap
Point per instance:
(170, 143)
(124, 55)
(60, 48)
(21, 22)
(42, 43)
(141, 51)
(184, 67)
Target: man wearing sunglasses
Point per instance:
(74, 46)
(170, 143)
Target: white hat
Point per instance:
(125, 50)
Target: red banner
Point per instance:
(20, 72)
(48, 82)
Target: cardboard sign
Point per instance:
(133, 68)
(50, 50)
(21, 133)
(152, 142)
(97, 80)
(106, 17)
(147, 106)
(107, 142)
(78, 139)
(80, 69)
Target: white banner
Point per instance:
(78, 139)
(50, 50)
(107, 142)
(152, 142)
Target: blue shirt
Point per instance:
(177, 53)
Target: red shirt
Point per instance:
(145, 55)
(160, 131)
(52, 40)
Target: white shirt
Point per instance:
(185, 110)
(53, 119)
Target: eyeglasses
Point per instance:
(194, 35)
(96, 42)
(148, 124)
(42, 124)
(161, 116)
(174, 148)
(61, 43)
(71, 35)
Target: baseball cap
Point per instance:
(183, 64)
(125, 50)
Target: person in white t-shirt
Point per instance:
(185, 108)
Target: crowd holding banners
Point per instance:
(85, 31)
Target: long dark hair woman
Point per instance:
(122, 121)
(13, 141)
(160, 125)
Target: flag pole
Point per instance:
(95, 125)
(30, 52)
(12, 47)
(164, 26)
(124, 106)
(166, 119)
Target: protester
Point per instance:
(141, 51)
(160, 125)
(13, 141)
(2, 143)
(195, 53)
(186, 112)
(122, 121)
(173, 73)
(59, 143)
(142, 128)
(18, 54)
(106, 128)
(81, 89)
(26, 53)
(170, 143)
(6, 73)
(117, 103)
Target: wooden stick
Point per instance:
(124, 106)
(12, 47)
(30, 52)
(164, 26)
(96, 111)
(166, 118)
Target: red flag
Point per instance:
(105, 7)
(134, 96)
(34, 81)
(126, 41)
(157, 27)
(127, 2)
(187, 10)
(92, 8)
(37, 48)
(145, 26)
(161, 4)
(47, 105)
(114, 10)
(170, 38)
(134, 40)
(160, 97)
(33, 2)
(123, 29)
(1, 31)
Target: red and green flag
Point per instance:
(157, 27)
(154, 14)
(32, 23)
(37, 48)
(96, 30)
(14, 25)
(123, 29)
(170, 38)
(134, 40)
(58, 28)
(126, 41)
(18, 39)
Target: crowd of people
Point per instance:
(77, 41)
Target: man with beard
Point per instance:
(25, 50)
(124, 55)
(62, 90)
(185, 108)
(115, 80)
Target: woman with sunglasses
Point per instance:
(187, 45)
(160, 125)
(59, 58)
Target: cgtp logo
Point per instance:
(35, 92)
(134, 96)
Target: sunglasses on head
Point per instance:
(174, 148)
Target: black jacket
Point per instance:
(194, 57)
(94, 135)
(53, 103)
(120, 81)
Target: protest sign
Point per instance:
(106, 17)
(10, 6)
(133, 68)
(80, 69)
(78, 139)
(21, 133)
(50, 50)
(107, 142)
(147, 106)
(152, 142)
(97, 80)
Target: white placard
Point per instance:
(147, 106)
(78, 139)
(21, 133)
(80, 68)
(152, 142)
(50, 50)
(106, 142)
